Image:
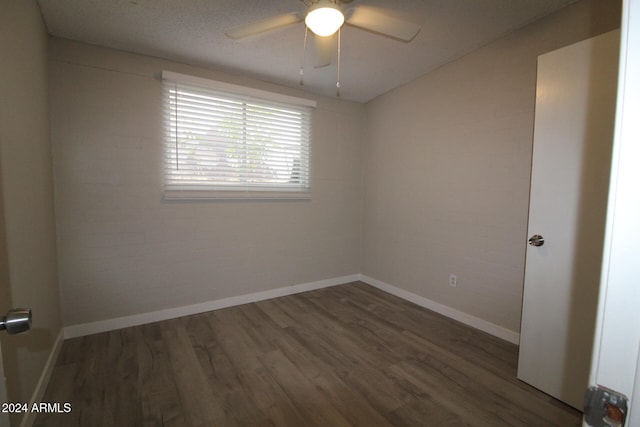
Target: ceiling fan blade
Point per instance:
(263, 25)
(323, 50)
(382, 22)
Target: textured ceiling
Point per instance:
(192, 31)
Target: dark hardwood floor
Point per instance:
(349, 355)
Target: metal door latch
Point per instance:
(604, 407)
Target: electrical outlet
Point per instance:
(453, 280)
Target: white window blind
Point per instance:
(226, 141)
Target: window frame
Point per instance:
(175, 191)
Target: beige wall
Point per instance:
(447, 170)
(124, 251)
(446, 179)
(29, 243)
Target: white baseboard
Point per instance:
(467, 319)
(79, 330)
(43, 382)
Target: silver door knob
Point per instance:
(536, 240)
(17, 320)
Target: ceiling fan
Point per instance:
(325, 17)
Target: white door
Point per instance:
(616, 352)
(575, 109)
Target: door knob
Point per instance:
(17, 320)
(536, 240)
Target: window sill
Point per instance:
(196, 195)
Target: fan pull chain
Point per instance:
(338, 80)
(304, 49)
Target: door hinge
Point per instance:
(604, 407)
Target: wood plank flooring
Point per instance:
(349, 355)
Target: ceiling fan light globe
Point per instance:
(324, 21)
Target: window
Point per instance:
(227, 141)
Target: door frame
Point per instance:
(615, 357)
